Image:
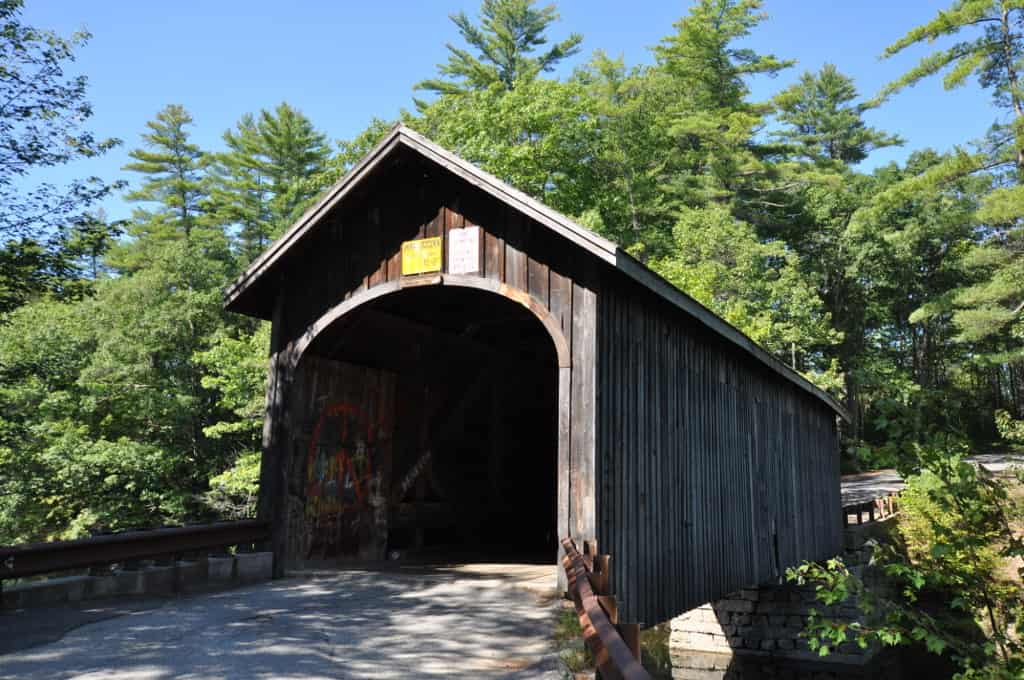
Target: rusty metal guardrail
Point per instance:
(33, 559)
(615, 646)
(874, 509)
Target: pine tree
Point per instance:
(993, 52)
(267, 177)
(508, 34)
(716, 157)
(703, 57)
(824, 124)
(172, 169)
(292, 151)
(239, 188)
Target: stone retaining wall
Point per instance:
(756, 632)
(148, 579)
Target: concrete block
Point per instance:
(220, 570)
(103, 586)
(255, 567)
(714, 628)
(158, 580)
(702, 661)
(189, 576)
(697, 674)
(129, 583)
(47, 592)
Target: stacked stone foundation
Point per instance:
(757, 632)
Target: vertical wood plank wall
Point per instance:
(357, 248)
(713, 473)
(699, 470)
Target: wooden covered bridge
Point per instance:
(455, 365)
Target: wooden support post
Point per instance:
(630, 633)
(610, 607)
(589, 551)
(600, 577)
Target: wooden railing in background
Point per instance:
(875, 509)
(615, 646)
(33, 559)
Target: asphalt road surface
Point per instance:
(353, 624)
(871, 485)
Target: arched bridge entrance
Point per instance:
(426, 428)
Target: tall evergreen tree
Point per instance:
(172, 167)
(824, 123)
(266, 177)
(707, 113)
(239, 188)
(992, 309)
(292, 151)
(507, 36)
(628, 157)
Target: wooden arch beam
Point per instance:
(297, 348)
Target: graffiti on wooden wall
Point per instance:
(344, 495)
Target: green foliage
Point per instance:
(42, 113)
(172, 167)
(947, 587)
(349, 152)
(994, 55)
(236, 368)
(233, 493)
(986, 311)
(823, 123)
(509, 32)
(537, 137)
(703, 56)
(261, 183)
(1010, 429)
(755, 286)
(568, 637)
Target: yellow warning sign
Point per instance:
(421, 256)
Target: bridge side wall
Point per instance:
(713, 472)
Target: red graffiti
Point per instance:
(341, 476)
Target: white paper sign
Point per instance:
(464, 250)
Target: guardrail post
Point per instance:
(630, 633)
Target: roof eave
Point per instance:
(596, 245)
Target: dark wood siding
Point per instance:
(699, 467)
(713, 473)
(356, 250)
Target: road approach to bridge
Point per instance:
(431, 623)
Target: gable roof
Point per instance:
(592, 243)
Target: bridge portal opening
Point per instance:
(427, 431)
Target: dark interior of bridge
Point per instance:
(472, 475)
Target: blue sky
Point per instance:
(343, 62)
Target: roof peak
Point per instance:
(594, 244)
